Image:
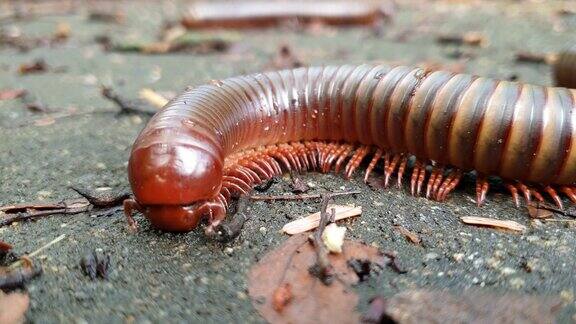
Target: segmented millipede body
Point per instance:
(428, 127)
(260, 14)
(565, 68)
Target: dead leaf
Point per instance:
(37, 66)
(13, 307)
(422, 306)
(312, 221)
(410, 236)
(496, 223)
(309, 300)
(9, 94)
(539, 213)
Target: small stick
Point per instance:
(126, 106)
(33, 254)
(303, 197)
(226, 232)
(538, 58)
(323, 269)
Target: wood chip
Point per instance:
(313, 220)
(410, 236)
(154, 98)
(497, 223)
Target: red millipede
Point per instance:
(218, 140)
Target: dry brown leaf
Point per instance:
(312, 221)
(539, 213)
(422, 306)
(307, 300)
(496, 223)
(13, 307)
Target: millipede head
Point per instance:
(174, 183)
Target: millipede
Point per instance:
(217, 141)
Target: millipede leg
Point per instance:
(390, 169)
(355, 161)
(569, 192)
(482, 187)
(343, 156)
(514, 192)
(375, 158)
(130, 205)
(554, 196)
(414, 178)
(401, 169)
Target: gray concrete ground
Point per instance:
(164, 277)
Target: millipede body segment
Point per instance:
(565, 68)
(427, 127)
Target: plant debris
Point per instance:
(127, 105)
(13, 307)
(9, 94)
(152, 97)
(410, 236)
(495, 223)
(297, 184)
(285, 59)
(283, 290)
(107, 16)
(469, 38)
(264, 14)
(536, 58)
(103, 197)
(37, 66)
(424, 306)
(188, 43)
(15, 213)
(333, 237)
(96, 264)
(313, 220)
(301, 197)
(227, 231)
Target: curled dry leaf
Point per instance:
(312, 221)
(13, 307)
(422, 306)
(496, 223)
(307, 300)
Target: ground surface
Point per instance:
(183, 277)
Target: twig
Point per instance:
(30, 212)
(303, 197)
(33, 254)
(125, 105)
(537, 58)
(323, 269)
(228, 231)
